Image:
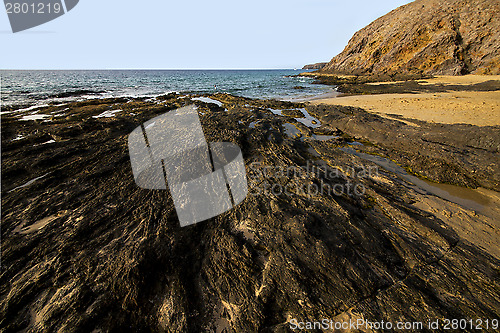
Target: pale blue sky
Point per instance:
(190, 34)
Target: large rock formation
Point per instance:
(84, 249)
(318, 65)
(450, 37)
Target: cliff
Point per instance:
(451, 37)
(318, 65)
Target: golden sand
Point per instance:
(453, 107)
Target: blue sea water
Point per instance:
(38, 87)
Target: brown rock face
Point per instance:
(449, 37)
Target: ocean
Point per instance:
(36, 87)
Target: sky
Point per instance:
(190, 34)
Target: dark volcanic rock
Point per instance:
(460, 154)
(318, 65)
(371, 85)
(84, 249)
(449, 37)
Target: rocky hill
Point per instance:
(450, 37)
(318, 65)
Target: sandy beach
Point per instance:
(481, 108)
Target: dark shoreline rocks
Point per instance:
(394, 84)
(464, 155)
(110, 256)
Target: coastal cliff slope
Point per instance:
(318, 65)
(430, 37)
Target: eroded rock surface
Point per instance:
(84, 249)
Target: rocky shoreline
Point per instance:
(84, 249)
(396, 84)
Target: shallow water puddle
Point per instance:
(462, 196)
(291, 130)
(207, 100)
(252, 124)
(34, 117)
(28, 183)
(107, 114)
(324, 137)
(276, 111)
(308, 120)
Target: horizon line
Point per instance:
(147, 69)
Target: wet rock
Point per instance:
(463, 155)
